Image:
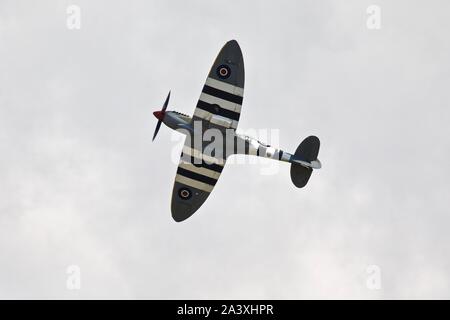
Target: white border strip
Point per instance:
(208, 115)
(225, 87)
(225, 104)
(194, 183)
(200, 170)
(197, 154)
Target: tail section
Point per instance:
(304, 161)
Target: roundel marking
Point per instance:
(223, 71)
(184, 193)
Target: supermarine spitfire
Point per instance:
(218, 110)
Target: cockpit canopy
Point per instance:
(182, 115)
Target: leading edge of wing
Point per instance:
(229, 56)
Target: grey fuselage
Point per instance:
(232, 142)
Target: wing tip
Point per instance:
(181, 211)
(180, 216)
(233, 44)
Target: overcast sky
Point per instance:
(82, 184)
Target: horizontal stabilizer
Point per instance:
(304, 161)
(315, 164)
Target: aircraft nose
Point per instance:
(159, 115)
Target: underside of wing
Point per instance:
(219, 107)
(221, 98)
(196, 177)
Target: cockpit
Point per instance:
(181, 114)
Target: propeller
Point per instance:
(160, 116)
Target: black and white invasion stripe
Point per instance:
(198, 170)
(220, 100)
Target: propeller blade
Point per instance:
(158, 125)
(156, 129)
(166, 103)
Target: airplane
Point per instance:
(218, 110)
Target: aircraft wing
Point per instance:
(219, 107)
(221, 98)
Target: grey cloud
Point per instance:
(82, 183)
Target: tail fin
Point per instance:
(305, 158)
